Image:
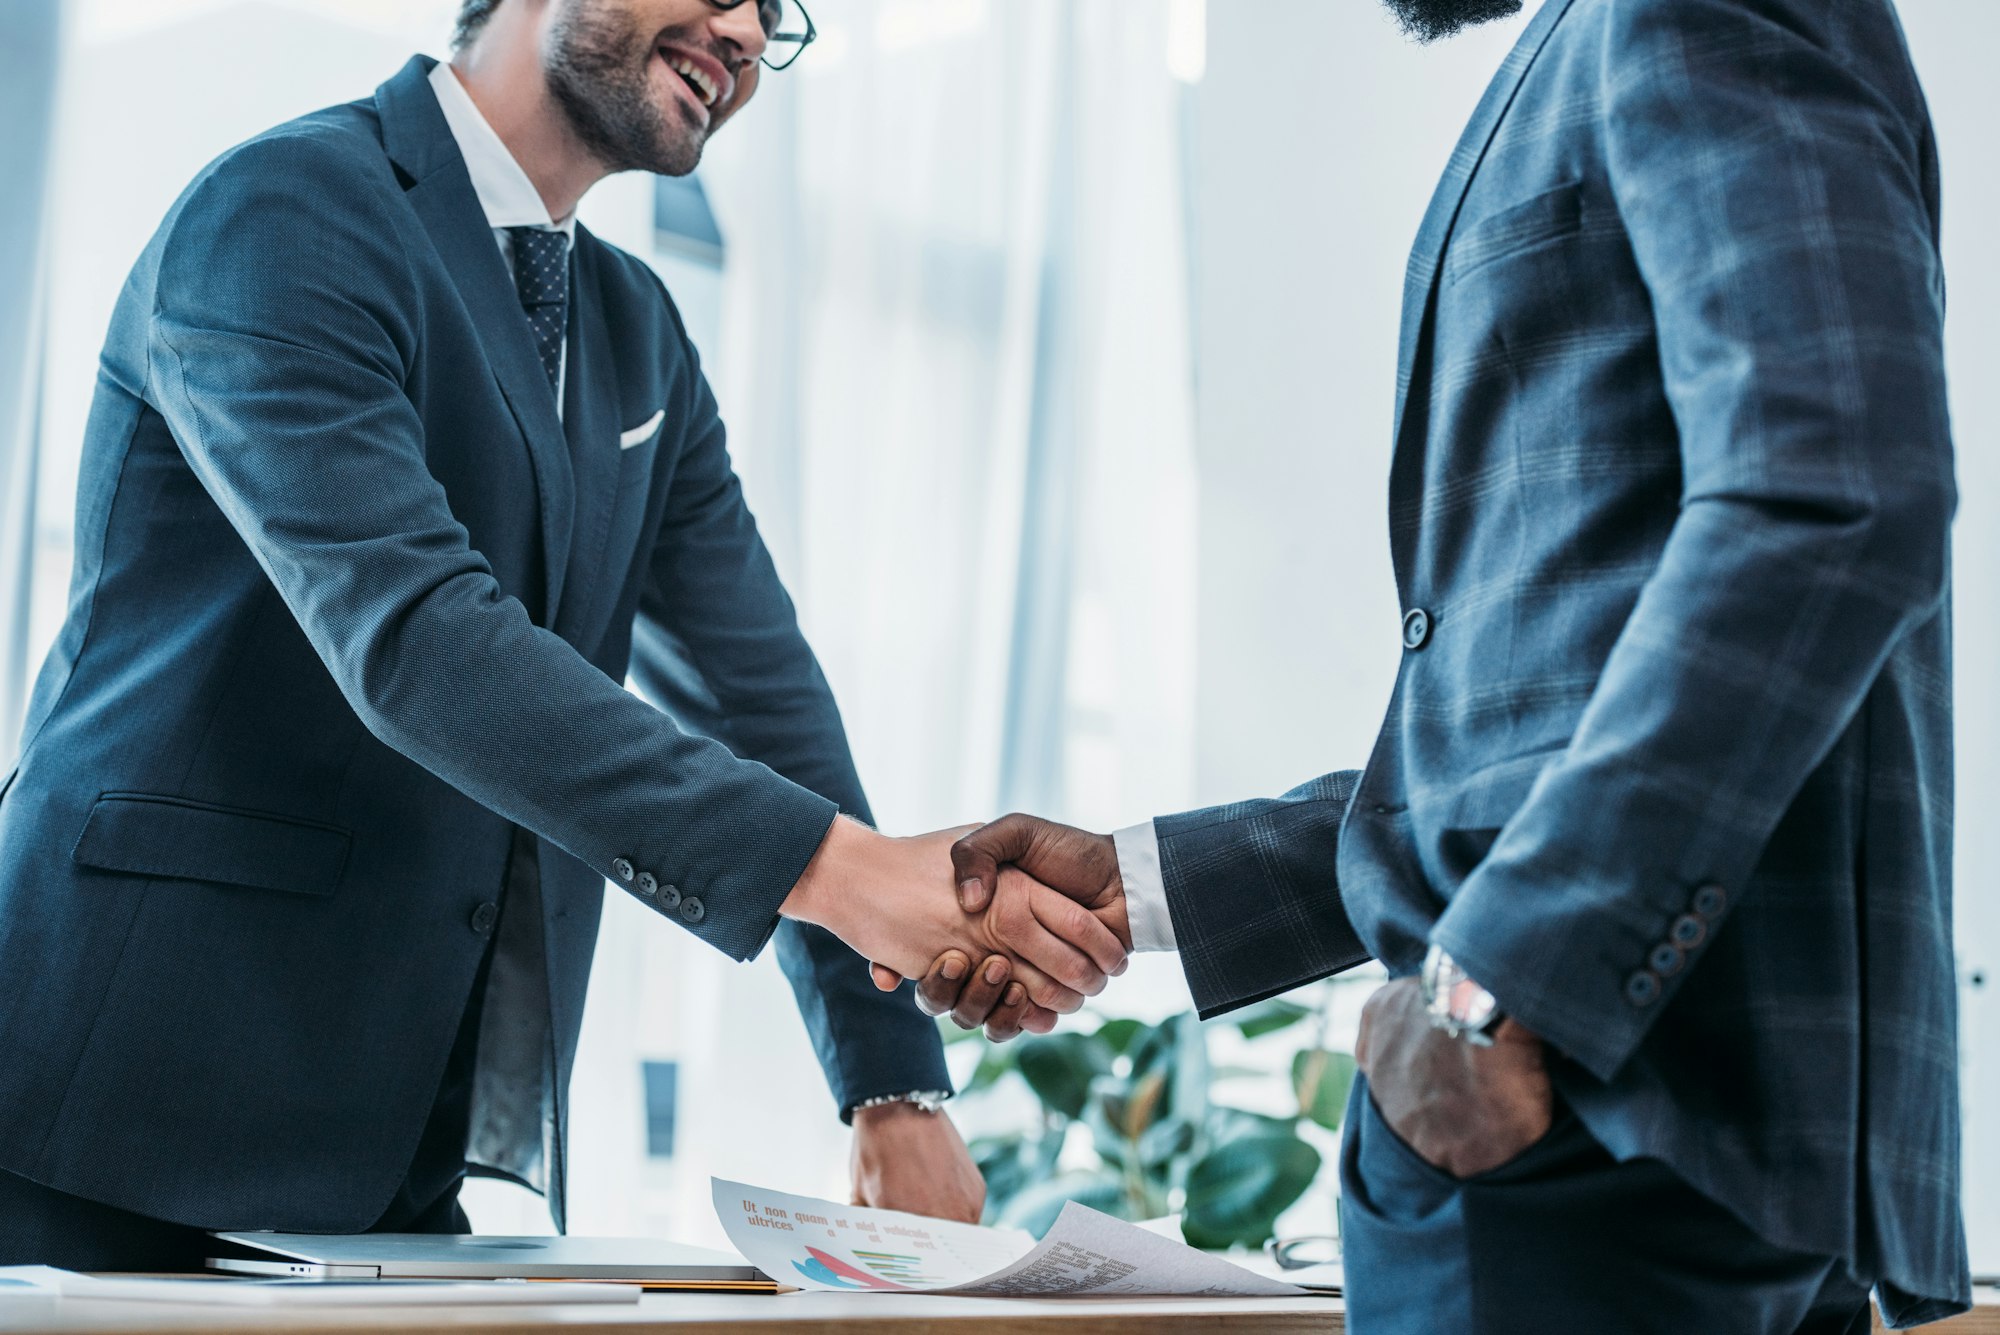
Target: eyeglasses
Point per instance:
(1303, 1252)
(788, 29)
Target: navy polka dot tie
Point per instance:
(541, 276)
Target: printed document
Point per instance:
(819, 1244)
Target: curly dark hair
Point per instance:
(472, 16)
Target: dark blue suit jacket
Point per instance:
(351, 604)
(1668, 761)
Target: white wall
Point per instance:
(30, 34)
(1321, 133)
(1953, 41)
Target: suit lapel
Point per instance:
(1426, 256)
(590, 419)
(420, 143)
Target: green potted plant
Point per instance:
(1160, 1145)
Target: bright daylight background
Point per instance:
(1057, 339)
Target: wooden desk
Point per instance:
(1983, 1319)
(733, 1314)
(709, 1314)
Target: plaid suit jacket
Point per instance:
(1668, 761)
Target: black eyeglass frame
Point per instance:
(796, 41)
(1286, 1251)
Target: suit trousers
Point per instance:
(1563, 1237)
(42, 1226)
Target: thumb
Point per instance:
(976, 858)
(886, 978)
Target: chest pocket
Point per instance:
(643, 434)
(1522, 228)
(638, 452)
(637, 470)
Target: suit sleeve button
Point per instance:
(622, 869)
(1642, 988)
(647, 884)
(670, 895)
(1666, 959)
(1710, 901)
(1689, 931)
(692, 909)
(484, 917)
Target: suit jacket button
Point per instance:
(622, 869)
(1642, 988)
(670, 895)
(1416, 628)
(1689, 931)
(1666, 960)
(692, 909)
(484, 917)
(647, 884)
(1710, 901)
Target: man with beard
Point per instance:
(1655, 841)
(392, 473)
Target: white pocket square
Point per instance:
(642, 433)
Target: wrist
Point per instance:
(892, 1112)
(1116, 913)
(821, 889)
(1458, 1004)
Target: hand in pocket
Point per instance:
(1464, 1109)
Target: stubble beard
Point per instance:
(599, 70)
(1430, 20)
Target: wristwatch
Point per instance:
(1457, 1005)
(930, 1100)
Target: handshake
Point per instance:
(1004, 925)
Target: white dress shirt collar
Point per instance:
(507, 196)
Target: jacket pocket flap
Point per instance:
(1518, 227)
(1489, 799)
(194, 841)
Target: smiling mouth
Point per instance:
(697, 79)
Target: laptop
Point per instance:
(647, 1262)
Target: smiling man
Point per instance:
(393, 475)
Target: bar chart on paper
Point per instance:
(820, 1244)
(825, 1245)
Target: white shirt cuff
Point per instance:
(1146, 911)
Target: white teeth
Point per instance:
(695, 76)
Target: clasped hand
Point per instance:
(1005, 925)
(902, 902)
(1039, 921)
(1039, 908)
